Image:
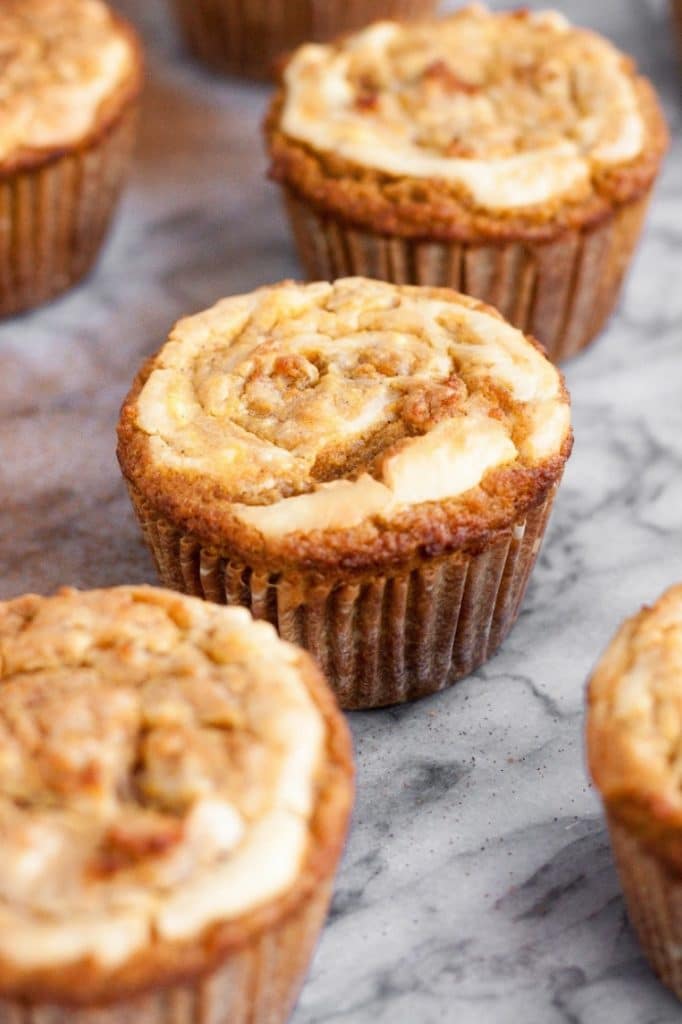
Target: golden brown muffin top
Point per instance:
(635, 726)
(160, 759)
(60, 60)
(322, 406)
(514, 107)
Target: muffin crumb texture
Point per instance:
(159, 759)
(513, 108)
(635, 726)
(60, 60)
(322, 406)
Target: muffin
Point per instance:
(175, 789)
(245, 37)
(368, 466)
(70, 76)
(507, 155)
(634, 742)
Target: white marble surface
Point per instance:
(478, 885)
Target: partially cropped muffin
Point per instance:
(175, 788)
(634, 737)
(70, 77)
(245, 37)
(508, 155)
(370, 467)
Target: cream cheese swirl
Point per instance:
(318, 406)
(515, 108)
(59, 60)
(158, 767)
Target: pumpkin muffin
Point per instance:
(175, 789)
(634, 738)
(508, 155)
(368, 466)
(70, 76)
(245, 37)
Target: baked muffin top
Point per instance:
(514, 108)
(60, 60)
(634, 726)
(160, 763)
(301, 408)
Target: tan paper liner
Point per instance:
(244, 37)
(386, 639)
(258, 984)
(562, 292)
(53, 219)
(654, 900)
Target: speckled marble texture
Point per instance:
(478, 885)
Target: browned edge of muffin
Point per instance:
(164, 964)
(639, 809)
(111, 111)
(433, 209)
(427, 531)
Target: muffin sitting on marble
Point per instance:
(70, 77)
(245, 37)
(510, 156)
(175, 791)
(634, 737)
(370, 467)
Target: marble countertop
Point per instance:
(478, 885)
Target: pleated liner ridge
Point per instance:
(245, 36)
(383, 640)
(53, 219)
(562, 292)
(653, 896)
(258, 984)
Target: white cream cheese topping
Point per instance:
(59, 60)
(319, 406)
(158, 770)
(515, 108)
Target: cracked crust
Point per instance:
(634, 727)
(119, 637)
(200, 504)
(433, 208)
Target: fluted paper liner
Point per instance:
(384, 639)
(258, 984)
(562, 292)
(53, 219)
(244, 37)
(654, 900)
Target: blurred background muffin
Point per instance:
(70, 77)
(506, 155)
(244, 37)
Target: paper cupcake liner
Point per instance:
(258, 984)
(654, 900)
(382, 640)
(53, 219)
(561, 292)
(244, 37)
